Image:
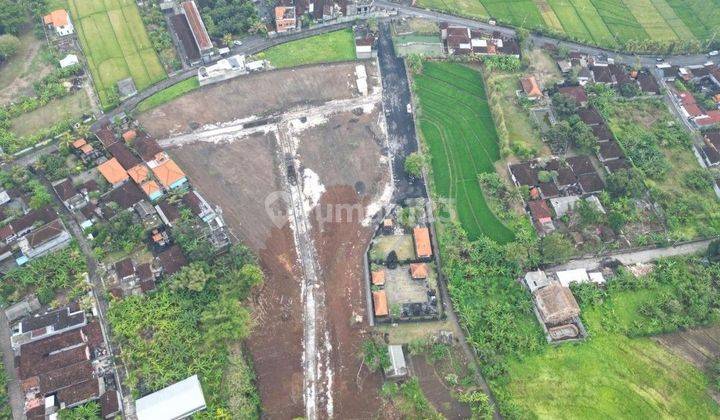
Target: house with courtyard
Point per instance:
(59, 21)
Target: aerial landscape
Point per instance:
(359, 209)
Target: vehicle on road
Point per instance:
(409, 109)
(713, 53)
(659, 59)
(237, 43)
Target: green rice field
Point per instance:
(459, 135)
(114, 40)
(608, 23)
(325, 48)
(609, 375)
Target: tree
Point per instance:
(560, 135)
(629, 90)
(225, 320)
(9, 45)
(713, 252)
(234, 17)
(564, 105)
(12, 16)
(415, 63)
(192, 277)
(227, 40)
(89, 411)
(414, 164)
(624, 183)
(555, 248)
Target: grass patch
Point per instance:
(116, 45)
(459, 135)
(69, 107)
(17, 66)
(325, 48)
(702, 17)
(166, 95)
(608, 376)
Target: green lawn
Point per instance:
(603, 22)
(168, 94)
(459, 134)
(609, 375)
(116, 44)
(325, 48)
(69, 107)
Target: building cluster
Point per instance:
(555, 186)
(131, 173)
(27, 233)
(288, 12)
(589, 69)
(699, 104)
(59, 22)
(228, 68)
(403, 277)
(461, 40)
(62, 360)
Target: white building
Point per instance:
(178, 401)
(59, 20)
(69, 60)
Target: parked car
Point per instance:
(659, 59)
(237, 43)
(713, 53)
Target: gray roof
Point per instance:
(397, 361)
(177, 401)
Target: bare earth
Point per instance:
(340, 139)
(699, 346)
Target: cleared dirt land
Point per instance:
(256, 94)
(700, 346)
(340, 163)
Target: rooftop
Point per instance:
(112, 171)
(423, 249)
(168, 173)
(179, 400)
(556, 303)
(57, 17)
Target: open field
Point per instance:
(609, 376)
(281, 89)
(340, 145)
(115, 44)
(166, 95)
(325, 48)
(18, 74)
(608, 23)
(459, 135)
(71, 106)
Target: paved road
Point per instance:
(645, 60)
(635, 257)
(17, 399)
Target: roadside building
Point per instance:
(126, 88)
(43, 240)
(68, 194)
(285, 19)
(541, 216)
(59, 21)
(172, 260)
(556, 304)
(197, 27)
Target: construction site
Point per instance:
(300, 171)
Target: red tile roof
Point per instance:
(196, 25)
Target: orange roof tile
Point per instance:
(150, 188)
(419, 271)
(79, 143)
(530, 86)
(380, 303)
(112, 171)
(378, 277)
(57, 18)
(87, 148)
(422, 242)
(139, 173)
(168, 173)
(129, 135)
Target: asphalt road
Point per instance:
(402, 138)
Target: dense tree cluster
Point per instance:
(236, 17)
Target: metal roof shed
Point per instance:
(397, 368)
(177, 401)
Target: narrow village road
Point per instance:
(635, 257)
(17, 400)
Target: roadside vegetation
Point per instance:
(5, 412)
(166, 95)
(325, 48)
(459, 134)
(664, 26)
(116, 46)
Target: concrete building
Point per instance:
(178, 401)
